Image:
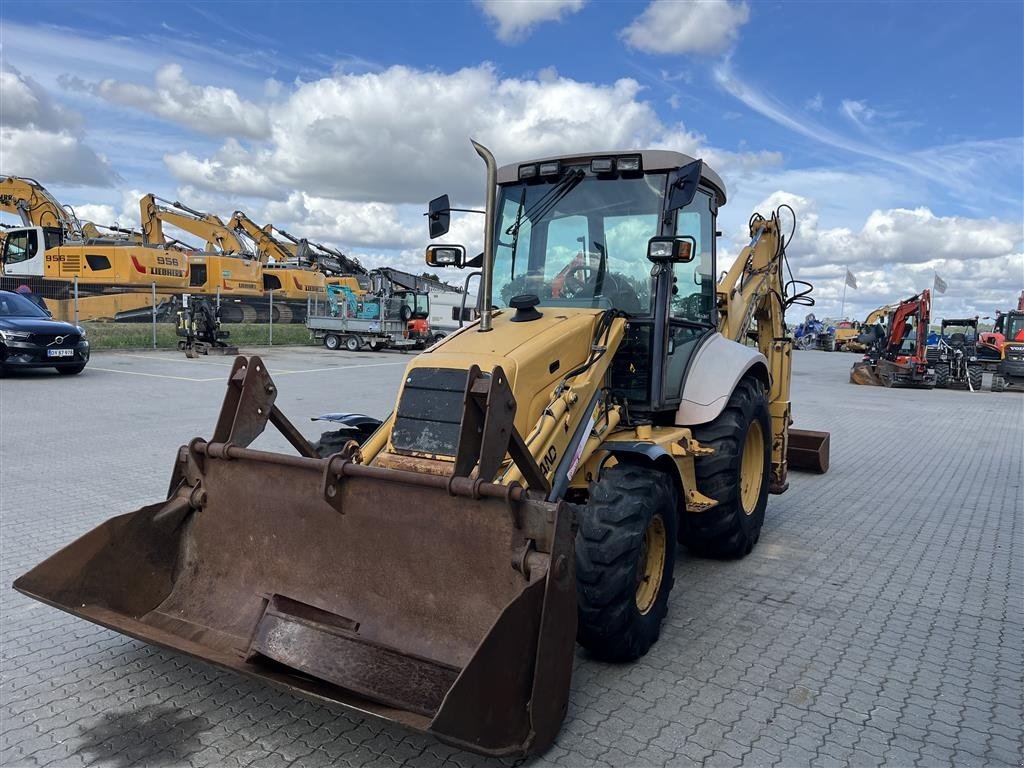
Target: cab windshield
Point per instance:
(1014, 328)
(579, 241)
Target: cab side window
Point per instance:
(21, 246)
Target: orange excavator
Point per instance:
(1009, 373)
(897, 358)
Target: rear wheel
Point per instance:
(736, 475)
(625, 556)
(941, 375)
(974, 374)
(332, 341)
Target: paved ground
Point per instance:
(879, 621)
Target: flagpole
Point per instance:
(842, 310)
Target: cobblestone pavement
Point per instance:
(879, 621)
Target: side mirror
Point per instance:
(684, 185)
(672, 250)
(439, 216)
(446, 256)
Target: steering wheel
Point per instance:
(573, 286)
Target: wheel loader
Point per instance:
(528, 491)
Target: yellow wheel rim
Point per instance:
(651, 565)
(752, 468)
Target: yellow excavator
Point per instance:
(864, 335)
(283, 271)
(53, 250)
(529, 490)
(226, 265)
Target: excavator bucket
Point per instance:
(863, 372)
(446, 604)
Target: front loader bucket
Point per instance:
(442, 603)
(863, 372)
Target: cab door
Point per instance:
(24, 252)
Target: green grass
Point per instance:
(140, 335)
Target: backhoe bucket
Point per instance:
(808, 450)
(443, 603)
(863, 372)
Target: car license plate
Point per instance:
(60, 353)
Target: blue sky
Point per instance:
(895, 129)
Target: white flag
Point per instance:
(850, 279)
(940, 284)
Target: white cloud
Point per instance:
(816, 104)
(516, 19)
(973, 171)
(42, 139)
(206, 109)
(706, 27)
(401, 135)
(857, 112)
(895, 252)
(359, 225)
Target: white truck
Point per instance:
(445, 308)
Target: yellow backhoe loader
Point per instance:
(529, 489)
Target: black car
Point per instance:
(30, 338)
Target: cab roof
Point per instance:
(651, 159)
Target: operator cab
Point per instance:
(24, 248)
(632, 232)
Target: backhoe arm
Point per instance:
(751, 304)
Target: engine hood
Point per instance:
(535, 355)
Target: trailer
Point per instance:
(354, 322)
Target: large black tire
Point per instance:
(974, 374)
(941, 374)
(732, 527)
(998, 383)
(625, 556)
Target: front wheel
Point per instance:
(974, 374)
(941, 374)
(736, 476)
(352, 343)
(331, 341)
(625, 556)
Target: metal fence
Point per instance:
(140, 318)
